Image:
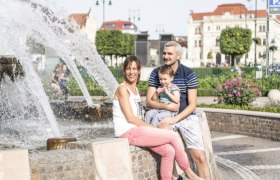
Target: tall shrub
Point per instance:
(237, 91)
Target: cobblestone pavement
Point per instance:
(244, 157)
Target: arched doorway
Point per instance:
(218, 59)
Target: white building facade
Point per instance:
(204, 31)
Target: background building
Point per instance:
(204, 31)
(124, 26)
(87, 24)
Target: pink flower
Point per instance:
(229, 95)
(238, 94)
(234, 91)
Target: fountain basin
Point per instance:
(78, 109)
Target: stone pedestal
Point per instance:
(14, 165)
(111, 157)
(214, 171)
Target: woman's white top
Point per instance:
(121, 125)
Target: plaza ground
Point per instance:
(245, 157)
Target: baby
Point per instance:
(166, 93)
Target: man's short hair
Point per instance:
(177, 46)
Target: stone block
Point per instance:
(274, 96)
(14, 165)
(214, 171)
(112, 159)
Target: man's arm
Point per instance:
(151, 103)
(192, 96)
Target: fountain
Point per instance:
(37, 24)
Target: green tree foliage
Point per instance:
(210, 55)
(128, 44)
(257, 40)
(235, 42)
(114, 42)
(102, 42)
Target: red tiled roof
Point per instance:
(235, 9)
(118, 24)
(80, 18)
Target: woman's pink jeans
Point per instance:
(164, 142)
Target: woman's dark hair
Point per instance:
(128, 60)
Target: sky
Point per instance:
(156, 16)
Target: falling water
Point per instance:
(22, 20)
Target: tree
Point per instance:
(235, 42)
(210, 55)
(272, 48)
(114, 43)
(257, 40)
(102, 42)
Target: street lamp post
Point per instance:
(255, 38)
(267, 41)
(103, 3)
(134, 14)
(160, 28)
(256, 5)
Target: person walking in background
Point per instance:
(64, 78)
(166, 93)
(187, 121)
(127, 114)
(55, 77)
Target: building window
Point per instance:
(195, 43)
(209, 28)
(218, 41)
(128, 26)
(200, 43)
(197, 30)
(260, 54)
(264, 42)
(218, 28)
(262, 28)
(110, 25)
